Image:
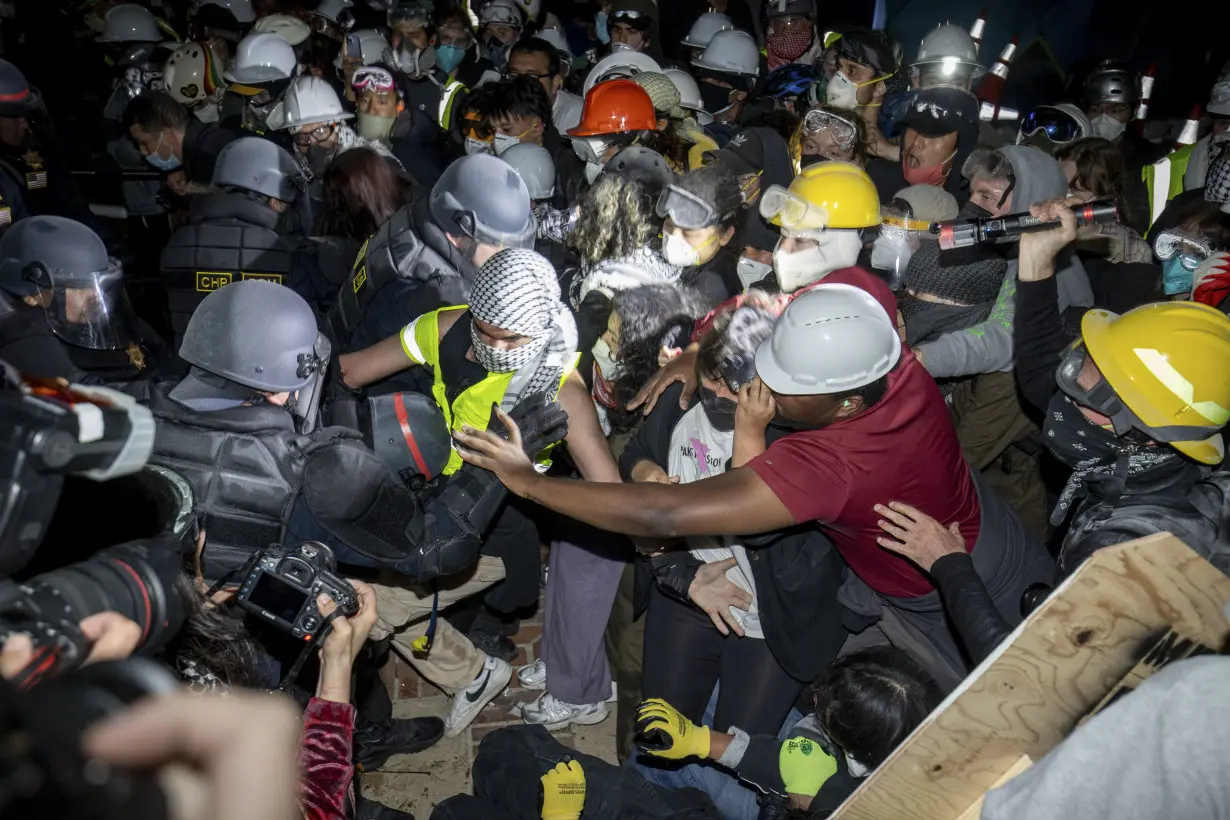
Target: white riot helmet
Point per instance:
(310, 100)
(620, 64)
(191, 74)
(689, 94)
(830, 339)
(731, 52)
(262, 58)
(372, 46)
(291, 29)
(707, 25)
(534, 165)
(242, 9)
(331, 10)
(130, 23)
(948, 51)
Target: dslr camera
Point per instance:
(281, 587)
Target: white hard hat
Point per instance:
(949, 45)
(534, 165)
(309, 100)
(262, 58)
(530, 8)
(830, 339)
(732, 52)
(707, 25)
(329, 9)
(505, 12)
(622, 64)
(130, 24)
(689, 94)
(191, 73)
(556, 38)
(242, 9)
(372, 46)
(291, 29)
(1219, 100)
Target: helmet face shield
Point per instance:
(790, 211)
(85, 309)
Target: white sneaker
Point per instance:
(491, 681)
(554, 715)
(534, 677)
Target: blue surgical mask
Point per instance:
(449, 57)
(1176, 277)
(172, 162)
(600, 28)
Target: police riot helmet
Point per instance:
(483, 198)
(255, 164)
(17, 98)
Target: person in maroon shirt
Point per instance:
(871, 427)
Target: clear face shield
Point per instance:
(85, 309)
(900, 236)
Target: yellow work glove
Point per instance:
(563, 792)
(662, 732)
(804, 766)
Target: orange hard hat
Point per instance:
(615, 107)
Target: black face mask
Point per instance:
(808, 160)
(719, 410)
(716, 98)
(974, 211)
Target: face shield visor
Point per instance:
(840, 128)
(792, 213)
(899, 237)
(85, 309)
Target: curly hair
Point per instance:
(728, 351)
(616, 217)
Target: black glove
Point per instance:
(674, 572)
(542, 422)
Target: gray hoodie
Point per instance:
(987, 347)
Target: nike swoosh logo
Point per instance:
(471, 698)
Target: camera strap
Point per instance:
(306, 652)
(422, 646)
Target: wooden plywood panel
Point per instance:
(1058, 665)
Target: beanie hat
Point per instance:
(974, 280)
(929, 203)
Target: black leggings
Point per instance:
(685, 656)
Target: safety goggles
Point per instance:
(499, 14)
(842, 129)
(632, 18)
(331, 28)
(373, 78)
(316, 135)
(407, 15)
(791, 212)
(685, 209)
(1060, 126)
(1192, 249)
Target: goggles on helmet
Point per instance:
(790, 211)
(407, 14)
(631, 17)
(842, 129)
(500, 14)
(1191, 248)
(1060, 126)
(373, 78)
(685, 209)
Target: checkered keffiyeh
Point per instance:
(517, 290)
(1217, 183)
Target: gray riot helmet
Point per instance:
(255, 164)
(245, 338)
(410, 435)
(81, 288)
(481, 196)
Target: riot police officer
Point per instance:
(67, 314)
(232, 236)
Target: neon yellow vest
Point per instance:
(1164, 179)
(448, 96)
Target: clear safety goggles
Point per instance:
(791, 212)
(318, 135)
(373, 78)
(842, 129)
(685, 209)
(1059, 126)
(500, 15)
(631, 16)
(407, 16)
(1191, 248)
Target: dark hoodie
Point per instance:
(889, 178)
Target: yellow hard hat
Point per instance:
(1169, 362)
(836, 195)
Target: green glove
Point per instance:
(804, 766)
(563, 792)
(662, 732)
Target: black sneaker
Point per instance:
(495, 645)
(376, 742)
(371, 810)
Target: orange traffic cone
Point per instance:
(975, 31)
(1191, 128)
(992, 84)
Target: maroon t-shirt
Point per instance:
(903, 449)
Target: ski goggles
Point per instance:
(1060, 126)
(791, 212)
(373, 78)
(842, 129)
(685, 209)
(1192, 249)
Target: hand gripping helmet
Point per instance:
(482, 197)
(1113, 81)
(192, 73)
(707, 25)
(255, 164)
(534, 165)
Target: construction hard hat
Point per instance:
(1113, 81)
(949, 49)
(291, 29)
(130, 23)
(830, 339)
(556, 39)
(731, 52)
(331, 10)
(258, 165)
(534, 165)
(615, 107)
(191, 73)
(1166, 362)
(620, 64)
(481, 197)
(262, 58)
(707, 25)
(827, 195)
(503, 12)
(242, 9)
(310, 100)
(689, 94)
(372, 45)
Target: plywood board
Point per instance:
(1057, 666)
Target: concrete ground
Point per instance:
(416, 783)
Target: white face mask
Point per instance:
(1107, 127)
(592, 169)
(677, 251)
(751, 271)
(607, 366)
(209, 112)
(833, 250)
(503, 142)
(842, 92)
(474, 146)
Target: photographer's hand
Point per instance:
(344, 643)
(17, 652)
(112, 637)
